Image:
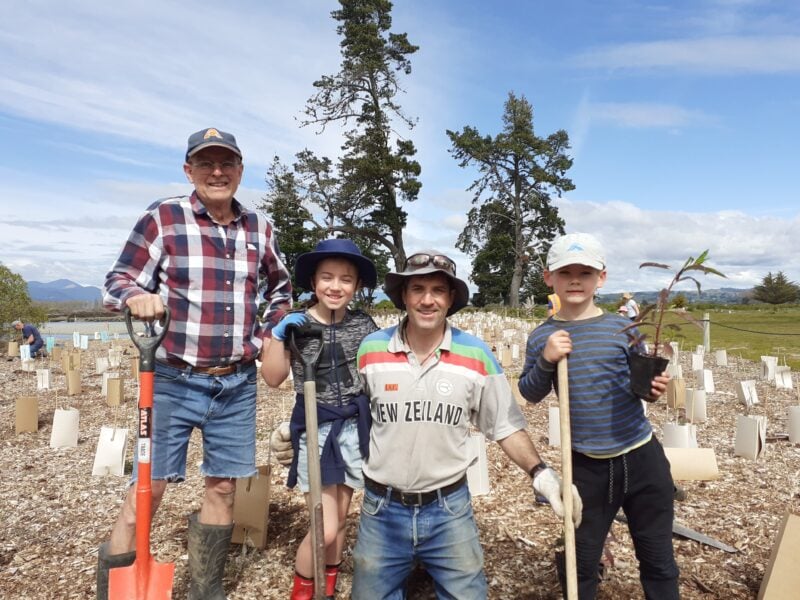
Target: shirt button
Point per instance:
(227, 308)
(227, 283)
(226, 334)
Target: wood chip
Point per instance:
(55, 514)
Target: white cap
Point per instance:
(576, 249)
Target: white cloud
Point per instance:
(742, 246)
(636, 115)
(644, 115)
(150, 75)
(723, 55)
(91, 68)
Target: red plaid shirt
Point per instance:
(212, 277)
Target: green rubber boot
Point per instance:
(106, 561)
(208, 551)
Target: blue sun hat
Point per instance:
(306, 264)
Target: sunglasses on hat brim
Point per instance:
(439, 261)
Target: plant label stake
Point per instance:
(566, 480)
(312, 447)
(145, 579)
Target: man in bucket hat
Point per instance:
(428, 383)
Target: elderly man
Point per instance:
(30, 335)
(212, 262)
(428, 383)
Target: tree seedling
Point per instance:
(652, 316)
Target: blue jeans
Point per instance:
(442, 536)
(223, 408)
(35, 347)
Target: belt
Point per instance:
(413, 498)
(215, 370)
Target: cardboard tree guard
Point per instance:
(27, 414)
(692, 464)
(782, 577)
(251, 508)
(751, 436)
(478, 471)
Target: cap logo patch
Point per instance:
(575, 248)
(212, 133)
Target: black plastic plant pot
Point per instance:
(643, 369)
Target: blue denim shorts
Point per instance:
(223, 408)
(348, 442)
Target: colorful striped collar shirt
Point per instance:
(422, 414)
(212, 277)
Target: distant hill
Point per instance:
(721, 296)
(63, 290)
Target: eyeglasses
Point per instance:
(207, 166)
(440, 261)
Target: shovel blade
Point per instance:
(136, 583)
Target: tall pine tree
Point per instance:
(377, 172)
(776, 289)
(513, 218)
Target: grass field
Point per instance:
(746, 332)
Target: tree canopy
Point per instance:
(282, 204)
(376, 172)
(512, 221)
(298, 231)
(15, 302)
(776, 289)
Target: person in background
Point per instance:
(31, 336)
(617, 461)
(630, 305)
(212, 262)
(333, 272)
(553, 304)
(428, 384)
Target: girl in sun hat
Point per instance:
(333, 273)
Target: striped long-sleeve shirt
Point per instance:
(212, 277)
(606, 417)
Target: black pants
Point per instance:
(640, 483)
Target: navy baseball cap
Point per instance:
(205, 138)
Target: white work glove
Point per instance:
(281, 443)
(547, 483)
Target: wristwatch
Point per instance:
(538, 468)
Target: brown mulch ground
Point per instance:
(54, 513)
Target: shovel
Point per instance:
(566, 480)
(145, 579)
(312, 446)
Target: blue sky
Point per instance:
(683, 118)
